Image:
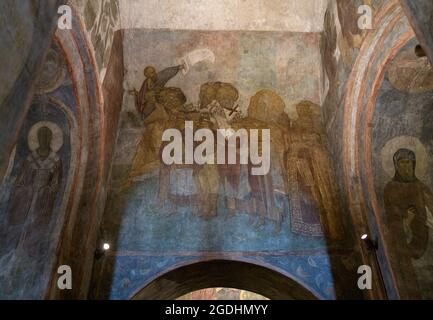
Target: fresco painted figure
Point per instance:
(152, 87)
(30, 209)
(214, 100)
(34, 192)
(401, 148)
(311, 181)
(408, 203)
(179, 185)
(222, 97)
(266, 193)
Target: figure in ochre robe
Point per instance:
(266, 111)
(311, 181)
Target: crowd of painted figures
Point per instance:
(301, 181)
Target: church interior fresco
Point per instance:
(223, 211)
(46, 141)
(405, 195)
(349, 113)
(53, 171)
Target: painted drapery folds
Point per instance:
(404, 178)
(161, 216)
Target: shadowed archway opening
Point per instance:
(221, 273)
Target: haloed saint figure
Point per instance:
(34, 192)
(408, 202)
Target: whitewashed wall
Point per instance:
(254, 15)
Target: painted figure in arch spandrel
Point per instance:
(33, 195)
(408, 204)
(315, 207)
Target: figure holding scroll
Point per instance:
(147, 97)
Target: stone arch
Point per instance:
(222, 273)
(73, 164)
(80, 225)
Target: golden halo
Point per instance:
(56, 142)
(410, 143)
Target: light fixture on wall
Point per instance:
(101, 250)
(419, 51)
(371, 245)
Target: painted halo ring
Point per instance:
(405, 142)
(57, 140)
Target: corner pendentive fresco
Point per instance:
(35, 190)
(402, 162)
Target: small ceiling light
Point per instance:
(371, 244)
(100, 251)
